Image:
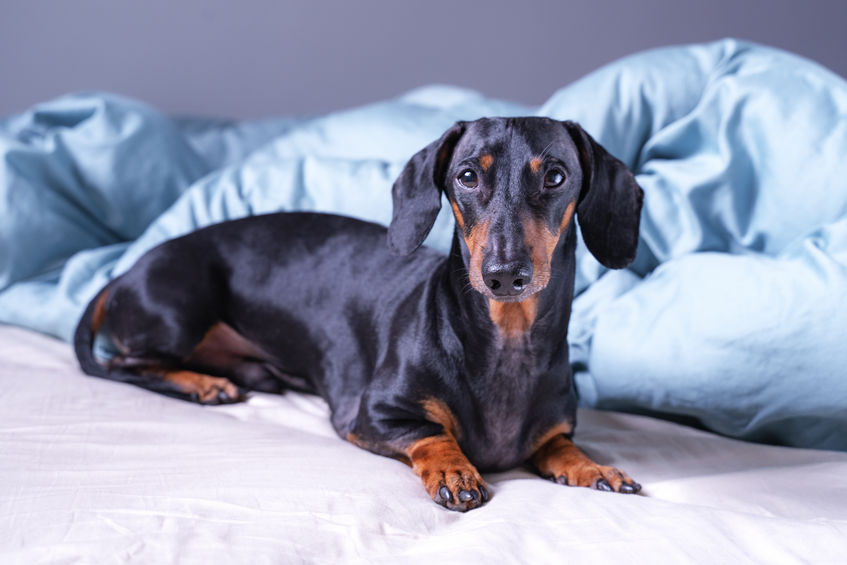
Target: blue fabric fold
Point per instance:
(734, 312)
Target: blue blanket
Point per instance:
(734, 313)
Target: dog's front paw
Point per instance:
(448, 477)
(460, 490)
(560, 460)
(599, 477)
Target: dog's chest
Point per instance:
(504, 413)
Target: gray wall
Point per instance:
(256, 58)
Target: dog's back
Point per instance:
(310, 292)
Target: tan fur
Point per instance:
(439, 461)
(486, 161)
(542, 243)
(205, 387)
(563, 428)
(513, 319)
(559, 459)
(460, 220)
(437, 411)
(535, 165)
(476, 242)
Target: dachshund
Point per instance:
(452, 364)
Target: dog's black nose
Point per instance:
(508, 279)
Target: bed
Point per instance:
(731, 323)
(99, 472)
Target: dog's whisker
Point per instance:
(544, 152)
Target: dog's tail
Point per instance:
(86, 331)
(84, 339)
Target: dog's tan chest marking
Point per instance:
(513, 319)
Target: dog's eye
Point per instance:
(468, 178)
(553, 178)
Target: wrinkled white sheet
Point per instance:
(93, 471)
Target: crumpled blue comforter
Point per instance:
(734, 313)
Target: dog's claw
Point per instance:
(603, 485)
(630, 488)
(563, 480)
(445, 494)
(462, 498)
(484, 493)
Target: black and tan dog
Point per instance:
(450, 364)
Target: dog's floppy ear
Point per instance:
(609, 207)
(417, 192)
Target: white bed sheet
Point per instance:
(93, 471)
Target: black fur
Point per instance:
(329, 308)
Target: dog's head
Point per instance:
(514, 185)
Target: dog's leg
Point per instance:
(448, 477)
(164, 358)
(169, 337)
(169, 379)
(562, 461)
(204, 389)
(434, 454)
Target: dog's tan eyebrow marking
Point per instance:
(486, 161)
(535, 165)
